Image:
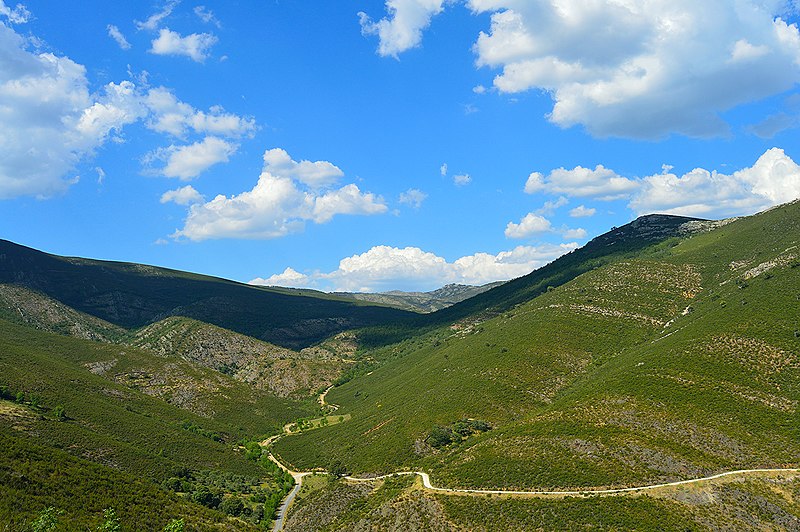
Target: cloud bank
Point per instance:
(772, 180)
(281, 202)
(389, 268)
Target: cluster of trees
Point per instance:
(232, 494)
(197, 429)
(32, 400)
(442, 436)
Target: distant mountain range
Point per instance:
(422, 301)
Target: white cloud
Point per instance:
(154, 21)
(101, 175)
(290, 278)
(188, 162)
(314, 174)
(276, 206)
(581, 211)
(443, 169)
(772, 180)
(550, 207)
(413, 197)
(599, 182)
(195, 46)
(574, 234)
(402, 29)
(118, 37)
(50, 120)
(17, 15)
(479, 89)
(641, 69)
(531, 224)
(182, 196)
(172, 116)
(207, 16)
(389, 268)
(462, 179)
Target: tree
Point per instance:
(47, 520)
(110, 521)
(176, 525)
(232, 506)
(337, 469)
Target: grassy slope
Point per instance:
(35, 476)
(620, 242)
(130, 437)
(133, 295)
(593, 383)
(400, 504)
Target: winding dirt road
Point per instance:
(426, 480)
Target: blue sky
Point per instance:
(386, 145)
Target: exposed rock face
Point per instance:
(266, 366)
(28, 307)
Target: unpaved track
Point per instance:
(426, 481)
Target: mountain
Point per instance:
(627, 240)
(133, 295)
(663, 350)
(421, 301)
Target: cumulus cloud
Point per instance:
(118, 37)
(402, 29)
(462, 179)
(550, 207)
(641, 69)
(443, 170)
(413, 197)
(389, 268)
(531, 224)
(182, 196)
(188, 162)
(582, 211)
(174, 117)
(277, 206)
(772, 180)
(290, 278)
(314, 174)
(195, 46)
(574, 234)
(19, 14)
(599, 182)
(50, 120)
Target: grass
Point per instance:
(126, 434)
(303, 425)
(665, 362)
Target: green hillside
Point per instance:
(133, 295)
(628, 240)
(660, 362)
(84, 417)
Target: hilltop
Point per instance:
(132, 295)
(663, 350)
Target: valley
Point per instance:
(653, 371)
